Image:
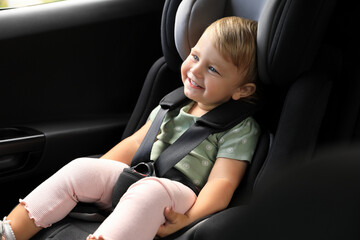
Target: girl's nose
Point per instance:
(196, 70)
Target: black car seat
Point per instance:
(342, 124)
(295, 85)
(297, 69)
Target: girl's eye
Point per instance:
(195, 57)
(212, 69)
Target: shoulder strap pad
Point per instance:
(227, 115)
(174, 99)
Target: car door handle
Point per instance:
(15, 140)
(15, 146)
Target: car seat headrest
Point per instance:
(289, 32)
(289, 37)
(194, 16)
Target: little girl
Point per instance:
(220, 67)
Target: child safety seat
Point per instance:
(296, 85)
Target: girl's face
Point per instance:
(209, 78)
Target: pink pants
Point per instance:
(139, 213)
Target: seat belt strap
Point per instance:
(171, 101)
(189, 140)
(144, 151)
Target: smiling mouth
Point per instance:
(194, 84)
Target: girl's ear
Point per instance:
(244, 91)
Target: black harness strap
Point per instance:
(144, 151)
(190, 139)
(219, 119)
(171, 101)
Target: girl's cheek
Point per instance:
(184, 67)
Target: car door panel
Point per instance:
(71, 73)
(17, 146)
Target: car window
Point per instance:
(4, 4)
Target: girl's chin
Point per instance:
(190, 94)
(187, 92)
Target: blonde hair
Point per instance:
(235, 39)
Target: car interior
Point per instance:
(77, 76)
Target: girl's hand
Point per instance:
(215, 196)
(174, 222)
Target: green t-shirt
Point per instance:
(237, 143)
